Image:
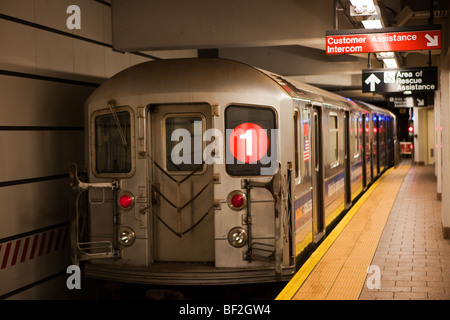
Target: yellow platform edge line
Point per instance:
(302, 274)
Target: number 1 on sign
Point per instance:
(247, 136)
(248, 142)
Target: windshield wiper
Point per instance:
(111, 105)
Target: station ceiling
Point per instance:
(284, 36)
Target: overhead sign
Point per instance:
(409, 101)
(383, 40)
(400, 80)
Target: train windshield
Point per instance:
(113, 144)
(251, 140)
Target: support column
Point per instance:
(438, 143)
(420, 136)
(445, 124)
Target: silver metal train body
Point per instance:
(209, 171)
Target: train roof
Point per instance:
(189, 75)
(376, 109)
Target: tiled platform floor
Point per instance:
(413, 256)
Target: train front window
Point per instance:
(251, 137)
(113, 143)
(184, 144)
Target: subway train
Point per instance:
(210, 171)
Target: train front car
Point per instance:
(188, 180)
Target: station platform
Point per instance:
(389, 246)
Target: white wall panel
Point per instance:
(43, 260)
(107, 37)
(46, 74)
(54, 52)
(34, 154)
(22, 9)
(116, 61)
(32, 206)
(92, 19)
(18, 46)
(52, 13)
(88, 59)
(32, 102)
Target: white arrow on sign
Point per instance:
(433, 42)
(372, 80)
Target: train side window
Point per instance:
(333, 150)
(367, 134)
(112, 145)
(182, 156)
(306, 134)
(296, 146)
(354, 135)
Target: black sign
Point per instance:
(400, 80)
(418, 100)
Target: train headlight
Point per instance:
(126, 200)
(237, 237)
(126, 236)
(237, 200)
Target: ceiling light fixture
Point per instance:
(362, 7)
(372, 23)
(390, 63)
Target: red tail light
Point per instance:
(237, 200)
(126, 200)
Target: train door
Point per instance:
(382, 143)
(347, 162)
(375, 153)
(367, 150)
(317, 174)
(182, 188)
(389, 149)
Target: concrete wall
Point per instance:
(445, 142)
(443, 123)
(179, 24)
(46, 72)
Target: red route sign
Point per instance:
(383, 41)
(249, 142)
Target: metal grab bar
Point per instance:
(277, 189)
(87, 250)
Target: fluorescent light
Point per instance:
(360, 3)
(390, 63)
(372, 24)
(363, 7)
(384, 55)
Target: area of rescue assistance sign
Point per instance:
(383, 40)
(422, 79)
